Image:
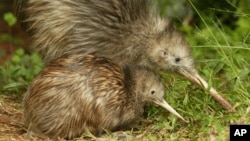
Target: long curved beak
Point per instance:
(197, 79)
(165, 105)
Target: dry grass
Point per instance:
(11, 128)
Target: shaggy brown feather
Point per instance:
(77, 93)
(127, 31)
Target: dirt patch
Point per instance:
(11, 127)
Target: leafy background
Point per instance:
(219, 35)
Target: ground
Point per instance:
(10, 116)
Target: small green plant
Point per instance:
(19, 71)
(10, 19)
(21, 68)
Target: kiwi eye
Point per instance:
(163, 53)
(152, 92)
(177, 59)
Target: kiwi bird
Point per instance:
(127, 31)
(79, 93)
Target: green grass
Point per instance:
(222, 56)
(17, 72)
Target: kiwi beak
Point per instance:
(166, 106)
(198, 80)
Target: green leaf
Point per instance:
(185, 101)
(10, 19)
(16, 59)
(20, 52)
(244, 74)
(13, 85)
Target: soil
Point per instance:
(10, 117)
(11, 125)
